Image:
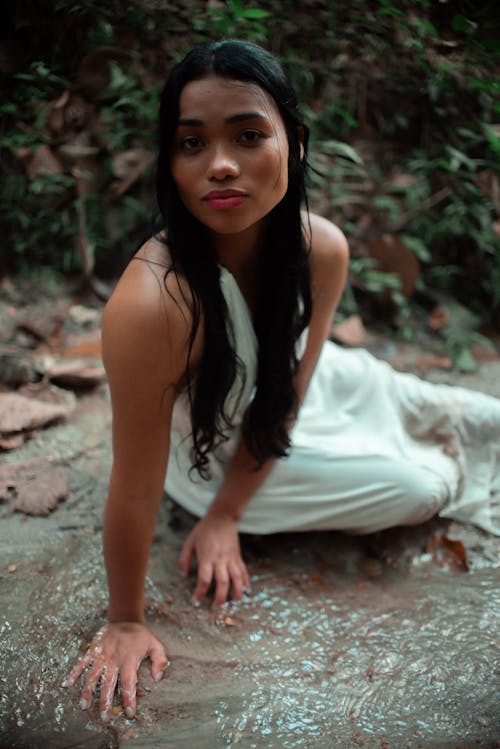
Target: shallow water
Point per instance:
(344, 642)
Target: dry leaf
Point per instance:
(350, 332)
(438, 318)
(482, 352)
(46, 392)
(76, 374)
(128, 166)
(393, 256)
(11, 443)
(16, 367)
(18, 413)
(425, 362)
(42, 162)
(34, 487)
(93, 74)
(403, 180)
(448, 552)
(87, 344)
(43, 328)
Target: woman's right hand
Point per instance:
(117, 651)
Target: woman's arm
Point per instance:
(214, 539)
(144, 349)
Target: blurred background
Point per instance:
(403, 103)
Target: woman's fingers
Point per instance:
(91, 681)
(128, 679)
(186, 554)
(159, 661)
(108, 686)
(222, 581)
(246, 579)
(226, 575)
(76, 671)
(204, 580)
(237, 580)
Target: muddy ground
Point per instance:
(384, 642)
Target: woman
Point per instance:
(211, 341)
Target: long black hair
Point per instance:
(284, 298)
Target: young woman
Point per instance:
(215, 345)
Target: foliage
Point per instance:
(401, 97)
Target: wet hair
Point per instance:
(283, 306)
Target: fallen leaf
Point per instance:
(448, 552)
(43, 328)
(393, 256)
(84, 316)
(483, 353)
(425, 362)
(438, 318)
(77, 374)
(372, 569)
(48, 393)
(350, 331)
(93, 74)
(19, 414)
(403, 180)
(16, 367)
(81, 344)
(33, 487)
(128, 166)
(42, 162)
(10, 443)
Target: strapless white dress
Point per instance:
(372, 448)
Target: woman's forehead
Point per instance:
(213, 94)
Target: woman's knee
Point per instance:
(424, 493)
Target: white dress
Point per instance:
(372, 448)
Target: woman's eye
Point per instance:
(190, 143)
(250, 137)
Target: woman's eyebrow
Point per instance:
(240, 117)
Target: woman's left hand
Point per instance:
(215, 542)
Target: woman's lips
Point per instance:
(224, 198)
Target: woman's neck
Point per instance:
(241, 254)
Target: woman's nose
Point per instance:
(222, 164)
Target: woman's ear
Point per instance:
(301, 134)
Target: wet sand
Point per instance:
(344, 641)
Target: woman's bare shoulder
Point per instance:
(325, 236)
(149, 313)
(150, 286)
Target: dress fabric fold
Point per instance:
(371, 448)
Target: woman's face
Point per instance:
(230, 154)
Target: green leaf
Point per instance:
(493, 135)
(427, 28)
(464, 360)
(338, 148)
(255, 13)
(417, 246)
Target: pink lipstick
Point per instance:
(224, 198)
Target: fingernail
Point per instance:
(84, 704)
(159, 676)
(129, 711)
(247, 591)
(105, 716)
(64, 683)
(196, 603)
